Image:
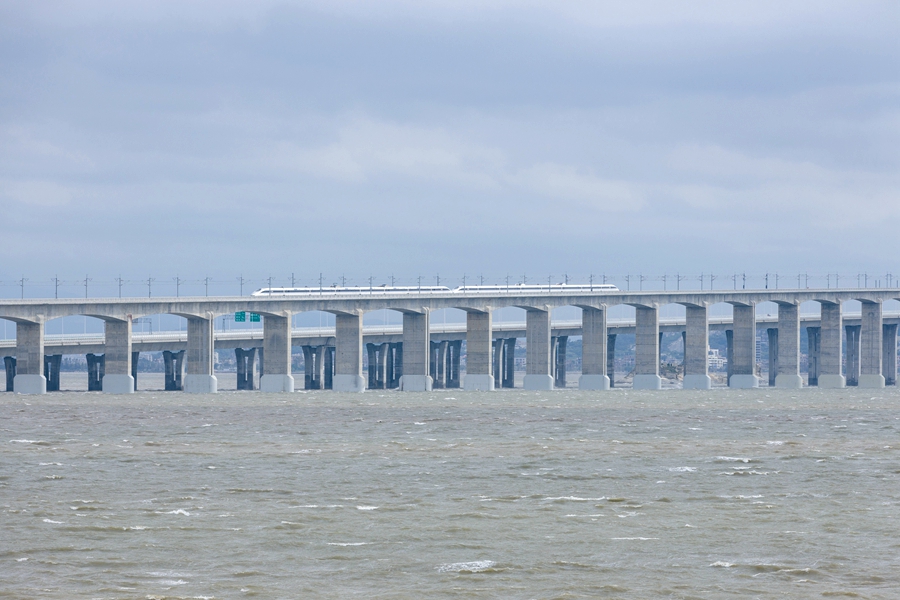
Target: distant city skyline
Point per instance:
(210, 139)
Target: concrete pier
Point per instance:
(30, 358)
(743, 372)
(813, 348)
(246, 365)
(772, 333)
(416, 349)
(200, 378)
(889, 355)
(438, 367)
(328, 354)
(118, 378)
(871, 346)
(788, 346)
(646, 349)
(537, 350)
(479, 355)
(52, 364)
(454, 356)
(852, 354)
(594, 368)
(394, 366)
(174, 366)
(831, 347)
(276, 352)
(96, 370)
(611, 359)
(729, 355)
(348, 371)
(696, 349)
(9, 362)
(560, 343)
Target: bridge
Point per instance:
(411, 355)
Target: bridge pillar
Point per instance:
(788, 347)
(29, 377)
(830, 347)
(135, 357)
(372, 361)
(646, 349)
(348, 372)
(743, 371)
(117, 378)
(498, 361)
(611, 359)
(559, 360)
(438, 364)
(328, 362)
(479, 332)
(889, 355)
(10, 363)
(416, 347)
(814, 345)
(96, 369)
(454, 351)
(200, 378)
(52, 363)
(174, 365)
(537, 350)
(871, 346)
(852, 354)
(276, 350)
(395, 364)
(772, 332)
(696, 349)
(594, 346)
(729, 355)
(246, 361)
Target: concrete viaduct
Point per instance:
(873, 337)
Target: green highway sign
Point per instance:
(254, 318)
(240, 317)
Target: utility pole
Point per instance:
(678, 278)
(744, 284)
(206, 285)
(56, 287)
(370, 283)
(712, 278)
(592, 281)
(437, 278)
(241, 280)
(119, 280)
(270, 285)
(177, 287)
(150, 281)
(292, 279)
(701, 282)
(641, 284)
(628, 283)
(664, 282)
(320, 283)
(734, 280)
(86, 280)
(767, 281)
(22, 284)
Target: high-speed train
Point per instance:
(518, 289)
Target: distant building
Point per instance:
(716, 361)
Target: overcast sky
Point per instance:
(453, 137)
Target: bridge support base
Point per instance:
(697, 382)
(647, 382)
(479, 383)
(348, 383)
(200, 384)
(832, 381)
(274, 384)
(743, 382)
(118, 384)
(593, 382)
(538, 382)
(30, 384)
(871, 381)
(416, 383)
(788, 381)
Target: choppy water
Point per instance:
(513, 494)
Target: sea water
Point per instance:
(511, 494)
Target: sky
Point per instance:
(483, 138)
